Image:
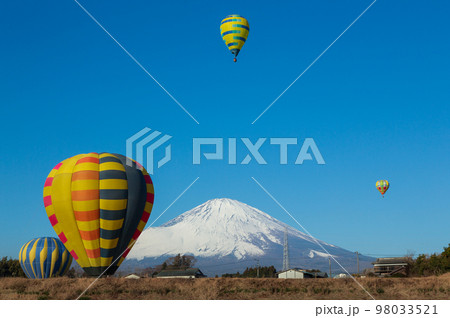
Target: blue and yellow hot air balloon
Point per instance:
(98, 204)
(382, 186)
(234, 30)
(44, 257)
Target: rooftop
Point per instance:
(391, 260)
(179, 272)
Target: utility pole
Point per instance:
(286, 265)
(357, 262)
(257, 272)
(257, 267)
(329, 263)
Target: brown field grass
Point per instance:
(436, 287)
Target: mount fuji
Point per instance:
(226, 236)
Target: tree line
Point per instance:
(10, 268)
(434, 264)
(423, 265)
(178, 262)
(264, 271)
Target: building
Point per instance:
(180, 273)
(389, 266)
(341, 275)
(297, 273)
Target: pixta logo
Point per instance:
(308, 147)
(149, 143)
(145, 142)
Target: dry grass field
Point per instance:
(436, 287)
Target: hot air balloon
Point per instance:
(234, 30)
(382, 186)
(44, 257)
(98, 204)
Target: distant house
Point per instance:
(178, 273)
(341, 275)
(132, 276)
(297, 273)
(389, 266)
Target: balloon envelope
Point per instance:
(382, 186)
(44, 257)
(98, 204)
(234, 30)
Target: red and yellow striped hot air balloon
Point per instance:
(98, 204)
(382, 186)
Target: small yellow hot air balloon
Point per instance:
(234, 30)
(382, 186)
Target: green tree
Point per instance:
(420, 265)
(446, 258)
(10, 268)
(264, 271)
(180, 262)
(436, 264)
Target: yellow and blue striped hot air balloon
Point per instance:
(234, 30)
(44, 257)
(382, 186)
(98, 204)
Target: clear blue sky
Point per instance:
(377, 105)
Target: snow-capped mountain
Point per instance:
(226, 235)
